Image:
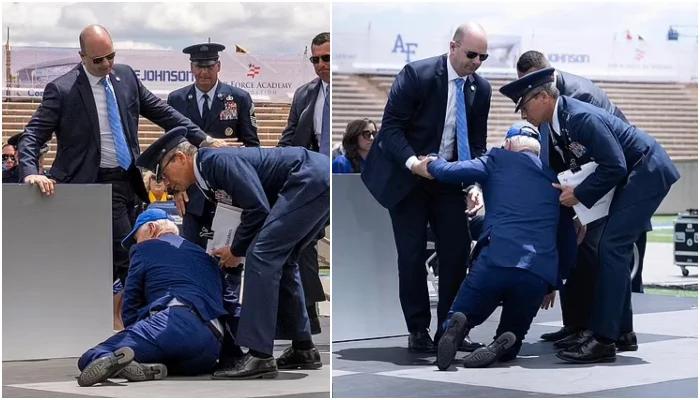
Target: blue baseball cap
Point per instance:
(152, 214)
(523, 128)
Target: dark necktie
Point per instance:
(205, 107)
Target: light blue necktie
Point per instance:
(461, 129)
(115, 125)
(325, 145)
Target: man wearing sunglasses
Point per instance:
(94, 110)
(308, 126)
(436, 105)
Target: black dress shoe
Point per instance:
(588, 352)
(574, 339)
(293, 358)
(103, 368)
(420, 342)
(469, 346)
(558, 335)
(451, 340)
(487, 355)
(139, 372)
(627, 342)
(249, 367)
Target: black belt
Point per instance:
(112, 174)
(209, 324)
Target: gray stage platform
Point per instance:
(666, 364)
(56, 378)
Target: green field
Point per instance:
(672, 292)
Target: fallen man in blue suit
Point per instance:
(517, 261)
(172, 299)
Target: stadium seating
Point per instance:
(668, 111)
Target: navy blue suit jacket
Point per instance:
(414, 118)
(258, 179)
(300, 123)
(584, 89)
(522, 213)
(626, 155)
(68, 110)
(168, 267)
(243, 126)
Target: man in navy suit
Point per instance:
(517, 262)
(222, 111)
(94, 111)
(172, 302)
(284, 195)
(309, 126)
(629, 161)
(436, 105)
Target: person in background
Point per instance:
(156, 190)
(357, 141)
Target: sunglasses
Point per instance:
(317, 59)
(472, 55)
(108, 57)
(367, 135)
(6, 157)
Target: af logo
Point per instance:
(401, 47)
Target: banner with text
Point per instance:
(268, 78)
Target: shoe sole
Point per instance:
(449, 342)
(137, 372)
(485, 356)
(102, 369)
(577, 361)
(315, 365)
(259, 375)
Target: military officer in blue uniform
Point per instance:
(517, 261)
(284, 194)
(629, 161)
(224, 112)
(172, 302)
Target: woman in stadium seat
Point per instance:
(357, 141)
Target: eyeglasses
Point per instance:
(6, 157)
(317, 59)
(160, 169)
(367, 135)
(472, 55)
(98, 60)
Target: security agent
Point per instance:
(517, 258)
(222, 111)
(284, 194)
(629, 161)
(172, 300)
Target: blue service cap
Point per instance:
(523, 128)
(151, 214)
(519, 88)
(204, 54)
(152, 157)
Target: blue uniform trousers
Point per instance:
(611, 314)
(273, 297)
(175, 336)
(485, 287)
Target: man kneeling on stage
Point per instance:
(517, 260)
(172, 300)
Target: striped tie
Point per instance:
(115, 125)
(461, 129)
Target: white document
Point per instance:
(601, 207)
(226, 221)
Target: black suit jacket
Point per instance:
(68, 110)
(300, 124)
(414, 118)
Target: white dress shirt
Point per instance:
(108, 154)
(447, 143)
(318, 111)
(200, 97)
